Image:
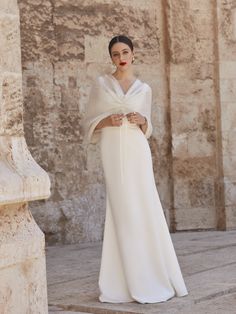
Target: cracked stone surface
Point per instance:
(207, 260)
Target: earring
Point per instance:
(133, 60)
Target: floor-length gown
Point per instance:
(138, 258)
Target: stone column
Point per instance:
(22, 256)
(226, 19)
(194, 114)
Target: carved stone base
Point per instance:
(22, 262)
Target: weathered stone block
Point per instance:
(228, 116)
(184, 117)
(22, 266)
(179, 145)
(227, 70)
(63, 70)
(202, 193)
(9, 7)
(181, 193)
(231, 216)
(68, 127)
(227, 20)
(197, 168)
(200, 5)
(203, 20)
(227, 50)
(229, 142)
(230, 191)
(193, 193)
(11, 109)
(38, 87)
(229, 165)
(192, 91)
(204, 51)
(228, 90)
(37, 31)
(96, 49)
(192, 71)
(9, 49)
(19, 172)
(195, 218)
(200, 144)
(234, 22)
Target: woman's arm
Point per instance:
(143, 126)
(103, 123)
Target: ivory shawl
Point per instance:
(107, 97)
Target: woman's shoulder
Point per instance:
(100, 77)
(146, 86)
(144, 83)
(99, 80)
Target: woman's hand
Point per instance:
(116, 119)
(112, 120)
(136, 117)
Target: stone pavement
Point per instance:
(207, 260)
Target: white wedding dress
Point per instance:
(138, 258)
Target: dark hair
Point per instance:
(120, 39)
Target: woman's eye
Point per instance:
(126, 52)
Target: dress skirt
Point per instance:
(138, 260)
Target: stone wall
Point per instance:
(64, 47)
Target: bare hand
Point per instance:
(116, 119)
(136, 117)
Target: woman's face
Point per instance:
(121, 56)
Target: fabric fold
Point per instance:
(104, 101)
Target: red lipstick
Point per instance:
(122, 63)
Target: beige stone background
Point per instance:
(186, 51)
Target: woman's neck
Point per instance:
(123, 75)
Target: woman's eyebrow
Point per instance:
(121, 50)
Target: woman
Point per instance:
(138, 259)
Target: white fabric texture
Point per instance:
(138, 260)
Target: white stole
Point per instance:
(107, 97)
